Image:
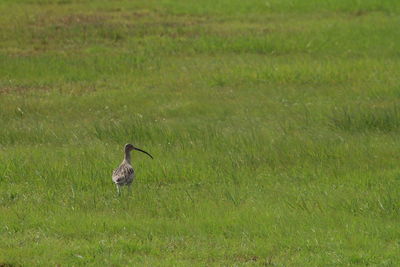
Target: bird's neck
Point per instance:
(128, 157)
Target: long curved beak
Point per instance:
(138, 149)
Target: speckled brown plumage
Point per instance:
(125, 174)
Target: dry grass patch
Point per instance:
(21, 89)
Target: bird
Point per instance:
(125, 174)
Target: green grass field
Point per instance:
(274, 126)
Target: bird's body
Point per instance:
(125, 174)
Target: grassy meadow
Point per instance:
(275, 128)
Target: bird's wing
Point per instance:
(122, 172)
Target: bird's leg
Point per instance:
(130, 189)
(118, 190)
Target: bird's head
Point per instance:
(130, 147)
